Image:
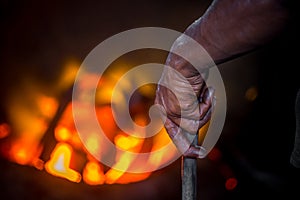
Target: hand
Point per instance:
(186, 101)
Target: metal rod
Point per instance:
(189, 176)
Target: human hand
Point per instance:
(187, 103)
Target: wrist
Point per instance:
(209, 39)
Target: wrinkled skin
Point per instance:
(183, 121)
(227, 29)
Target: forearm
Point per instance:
(232, 27)
(227, 29)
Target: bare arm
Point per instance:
(227, 29)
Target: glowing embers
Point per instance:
(25, 141)
(26, 152)
(59, 163)
(124, 160)
(29, 113)
(93, 173)
(4, 130)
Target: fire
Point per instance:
(127, 142)
(4, 130)
(47, 106)
(59, 163)
(93, 173)
(26, 152)
(123, 163)
(29, 112)
(119, 177)
(68, 75)
(62, 133)
(124, 160)
(30, 123)
(162, 154)
(92, 144)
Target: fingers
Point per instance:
(171, 128)
(195, 152)
(184, 112)
(191, 119)
(183, 140)
(206, 106)
(206, 102)
(177, 135)
(194, 120)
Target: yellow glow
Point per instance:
(20, 156)
(140, 120)
(125, 178)
(29, 127)
(106, 86)
(160, 155)
(30, 116)
(76, 141)
(92, 144)
(126, 84)
(112, 176)
(24, 151)
(104, 95)
(26, 121)
(131, 177)
(124, 160)
(59, 163)
(127, 142)
(29, 112)
(93, 173)
(202, 132)
(148, 90)
(62, 134)
(122, 163)
(65, 130)
(47, 105)
(160, 140)
(68, 74)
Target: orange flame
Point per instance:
(26, 152)
(93, 173)
(124, 160)
(59, 163)
(4, 130)
(30, 123)
(161, 155)
(62, 134)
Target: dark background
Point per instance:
(38, 37)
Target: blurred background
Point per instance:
(41, 155)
